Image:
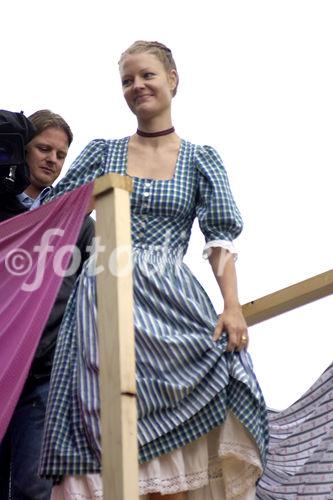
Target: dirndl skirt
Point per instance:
(184, 395)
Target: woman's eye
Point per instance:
(126, 82)
(148, 75)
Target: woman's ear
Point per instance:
(173, 79)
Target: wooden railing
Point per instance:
(289, 298)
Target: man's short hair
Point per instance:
(44, 119)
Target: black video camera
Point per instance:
(15, 132)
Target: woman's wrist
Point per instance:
(232, 304)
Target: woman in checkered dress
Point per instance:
(202, 427)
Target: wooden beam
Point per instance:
(289, 298)
(116, 339)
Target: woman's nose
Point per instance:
(138, 82)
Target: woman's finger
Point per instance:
(243, 341)
(218, 329)
(232, 340)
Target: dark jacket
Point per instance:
(42, 363)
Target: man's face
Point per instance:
(45, 156)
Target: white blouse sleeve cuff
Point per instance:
(228, 245)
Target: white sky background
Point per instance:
(256, 83)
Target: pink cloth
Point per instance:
(34, 253)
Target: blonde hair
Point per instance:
(162, 52)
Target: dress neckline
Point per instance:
(153, 179)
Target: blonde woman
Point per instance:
(202, 425)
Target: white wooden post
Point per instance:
(116, 339)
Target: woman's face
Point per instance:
(147, 86)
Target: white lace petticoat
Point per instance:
(222, 465)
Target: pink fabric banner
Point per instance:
(35, 251)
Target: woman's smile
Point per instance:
(142, 98)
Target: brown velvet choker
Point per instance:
(155, 134)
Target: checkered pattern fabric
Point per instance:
(185, 381)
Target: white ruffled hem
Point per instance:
(226, 456)
(227, 245)
(222, 465)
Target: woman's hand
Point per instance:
(232, 321)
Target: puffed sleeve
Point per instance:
(218, 215)
(88, 165)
